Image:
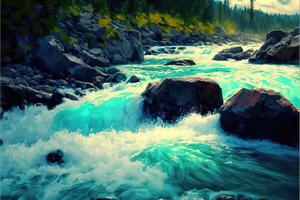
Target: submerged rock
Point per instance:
(55, 157)
(173, 97)
(133, 79)
(181, 62)
(261, 114)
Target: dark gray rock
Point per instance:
(95, 60)
(13, 95)
(50, 56)
(233, 50)
(278, 35)
(112, 70)
(84, 85)
(244, 55)
(82, 71)
(70, 96)
(117, 78)
(133, 79)
(261, 114)
(295, 32)
(55, 157)
(56, 99)
(181, 62)
(222, 56)
(282, 49)
(175, 97)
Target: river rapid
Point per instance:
(111, 151)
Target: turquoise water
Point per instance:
(111, 151)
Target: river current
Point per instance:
(111, 151)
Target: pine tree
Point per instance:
(252, 12)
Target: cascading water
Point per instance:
(110, 151)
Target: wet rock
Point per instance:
(295, 32)
(173, 97)
(278, 35)
(261, 114)
(71, 96)
(82, 72)
(15, 95)
(233, 50)
(117, 78)
(95, 60)
(243, 55)
(55, 157)
(112, 70)
(181, 62)
(133, 79)
(56, 99)
(49, 55)
(84, 85)
(222, 56)
(235, 53)
(45, 88)
(280, 47)
(79, 93)
(225, 197)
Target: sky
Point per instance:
(272, 6)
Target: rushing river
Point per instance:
(111, 151)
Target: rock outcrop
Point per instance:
(172, 98)
(280, 47)
(261, 114)
(73, 57)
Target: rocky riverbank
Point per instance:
(79, 56)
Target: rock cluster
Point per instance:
(250, 114)
(279, 47)
(236, 53)
(76, 57)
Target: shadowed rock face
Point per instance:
(280, 47)
(261, 114)
(174, 97)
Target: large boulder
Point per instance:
(126, 49)
(95, 57)
(50, 57)
(81, 71)
(261, 114)
(280, 47)
(173, 97)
